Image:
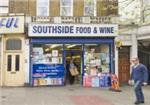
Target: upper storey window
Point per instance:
(4, 6)
(66, 7)
(89, 7)
(42, 7)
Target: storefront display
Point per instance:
(96, 59)
(95, 81)
(91, 50)
(96, 65)
(101, 80)
(47, 65)
(87, 81)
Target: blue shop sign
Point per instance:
(73, 30)
(48, 70)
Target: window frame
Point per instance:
(16, 39)
(94, 7)
(4, 6)
(62, 6)
(39, 6)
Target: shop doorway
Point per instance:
(73, 52)
(124, 64)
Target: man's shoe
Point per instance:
(137, 102)
(142, 102)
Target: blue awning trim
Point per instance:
(70, 40)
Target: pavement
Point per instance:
(69, 95)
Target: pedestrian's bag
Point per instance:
(74, 71)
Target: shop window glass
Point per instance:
(4, 6)
(47, 53)
(13, 44)
(42, 7)
(66, 7)
(9, 63)
(89, 7)
(17, 61)
(47, 64)
(96, 59)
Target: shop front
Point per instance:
(53, 46)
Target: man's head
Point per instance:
(135, 60)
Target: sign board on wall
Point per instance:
(73, 30)
(11, 24)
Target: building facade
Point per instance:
(57, 31)
(12, 50)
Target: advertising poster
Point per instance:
(47, 74)
(54, 53)
(37, 55)
(55, 60)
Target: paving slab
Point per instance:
(69, 95)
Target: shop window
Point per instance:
(42, 7)
(47, 53)
(9, 63)
(96, 59)
(13, 44)
(4, 6)
(47, 64)
(66, 7)
(89, 7)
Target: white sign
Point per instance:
(73, 30)
(54, 53)
(12, 24)
(54, 60)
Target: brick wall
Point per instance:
(29, 7)
(78, 8)
(32, 7)
(19, 6)
(54, 8)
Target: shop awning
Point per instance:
(74, 40)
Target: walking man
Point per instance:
(139, 76)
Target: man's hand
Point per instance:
(144, 83)
(130, 82)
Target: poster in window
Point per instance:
(54, 53)
(55, 60)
